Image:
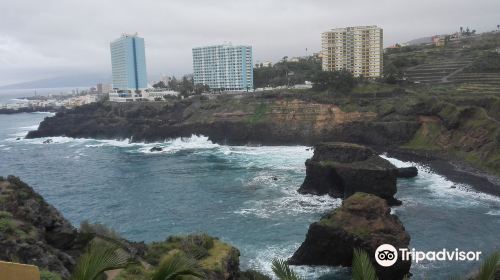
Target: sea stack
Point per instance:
(342, 169)
(363, 221)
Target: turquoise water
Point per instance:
(195, 185)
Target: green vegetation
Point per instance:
(176, 266)
(362, 267)
(283, 271)
(253, 275)
(338, 81)
(47, 275)
(7, 226)
(203, 253)
(99, 229)
(100, 257)
(287, 73)
(425, 138)
(488, 62)
(259, 113)
(185, 86)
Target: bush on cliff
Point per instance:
(338, 81)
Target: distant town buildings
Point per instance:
(224, 67)
(104, 88)
(439, 40)
(358, 50)
(263, 64)
(165, 79)
(128, 63)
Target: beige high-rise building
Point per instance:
(357, 49)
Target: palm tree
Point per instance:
(283, 271)
(100, 257)
(176, 267)
(362, 267)
(489, 267)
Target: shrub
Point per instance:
(47, 275)
(100, 229)
(7, 225)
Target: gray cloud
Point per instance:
(42, 39)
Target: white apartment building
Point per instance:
(358, 50)
(224, 67)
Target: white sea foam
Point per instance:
(444, 190)
(289, 203)
(54, 140)
(263, 262)
(31, 127)
(49, 114)
(493, 213)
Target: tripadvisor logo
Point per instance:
(387, 255)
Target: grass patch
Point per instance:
(259, 113)
(426, 137)
(217, 256)
(7, 226)
(370, 88)
(48, 275)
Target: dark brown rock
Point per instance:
(342, 169)
(32, 231)
(363, 221)
(407, 172)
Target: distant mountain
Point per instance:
(66, 81)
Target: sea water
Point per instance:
(245, 195)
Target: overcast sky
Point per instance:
(49, 38)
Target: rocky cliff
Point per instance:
(227, 120)
(362, 222)
(460, 128)
(34, 232)
(342, 169)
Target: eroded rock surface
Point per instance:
(363, 221)
(342, 169)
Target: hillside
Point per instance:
(472, 64)
(444, 123)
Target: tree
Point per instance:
(461, 30)
(283, 271)
(498, 26)
(173, 84)
(201, 88)
(186, 86)
(340, 81)
(100, 256)
(160, 84)
(362, 267)
(177, 267)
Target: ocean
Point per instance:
(245, 195)
(11, 95)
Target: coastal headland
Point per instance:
(454, 130)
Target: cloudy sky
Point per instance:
(50, 38)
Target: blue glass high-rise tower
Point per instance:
(128, 63)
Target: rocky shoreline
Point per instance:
(410, 133)
(451, 168)
(457, 129)
(34, 232)
(32, 110)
